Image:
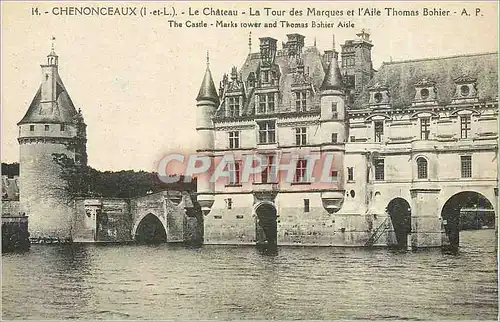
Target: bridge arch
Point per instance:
(399, 211)
(465, 210)
(266, 226)
(149, 229)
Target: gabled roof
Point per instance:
(63, 112)
(401, 77)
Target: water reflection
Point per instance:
(219, 282)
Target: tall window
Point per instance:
(234, 106)
(267, 132)
(379, 130)
(63, 127)
(234, 140)
(379, 169)
(300, 136)
(334, 137)
(464, 127)
(235, 173)
(32, 128)
(265, 76)
(422, 168)
(301, 101)
(301, 171)
(350, 174)
(334, 110)
(269, 172)
(466, 166)
(266, 103)
(425, 124)
(46, 127)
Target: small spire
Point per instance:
(250, 42)
(208, 58)
(207, 88)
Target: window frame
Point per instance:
(465, 126)
(350, 173)
(335, 137)
(301, 101)
(267, 103)
(234, 173)
(268, 132)
(234, 139)
(233, 106)
(466, 166)
(300, 136)
(422, 168)
(378, 129)
(269, 172)
(379, 169)
(301, 171)
(425, 128)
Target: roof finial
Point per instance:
(208, 58)
(314, 41)
(250, 42)
(53, 42)
(333, 42)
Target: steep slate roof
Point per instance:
(207, 89)
(333, 78)
(313, 64)
(402, 76)
(63, 113)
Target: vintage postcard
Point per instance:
(249, 160)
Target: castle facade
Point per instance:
(414, 145)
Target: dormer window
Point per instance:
(465, 89)
(301, 101)
(425, 92)
(233, 106)
(266, 103)
(379, 96)
(265, 76)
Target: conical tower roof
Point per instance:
(333, 77)
(63, 111)
(207, 89)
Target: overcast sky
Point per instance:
(136, 79)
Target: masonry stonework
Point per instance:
(414, 144)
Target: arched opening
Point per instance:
(400, 213)
(467, 210)
(150, 231)
(266, 227)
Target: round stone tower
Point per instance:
(51, 129)
(207, 103)
(333, 130)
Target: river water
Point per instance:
(218, 282)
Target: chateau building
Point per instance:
(414, 146)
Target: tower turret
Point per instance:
(333, 129)
(207, 104)
(50, 128)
